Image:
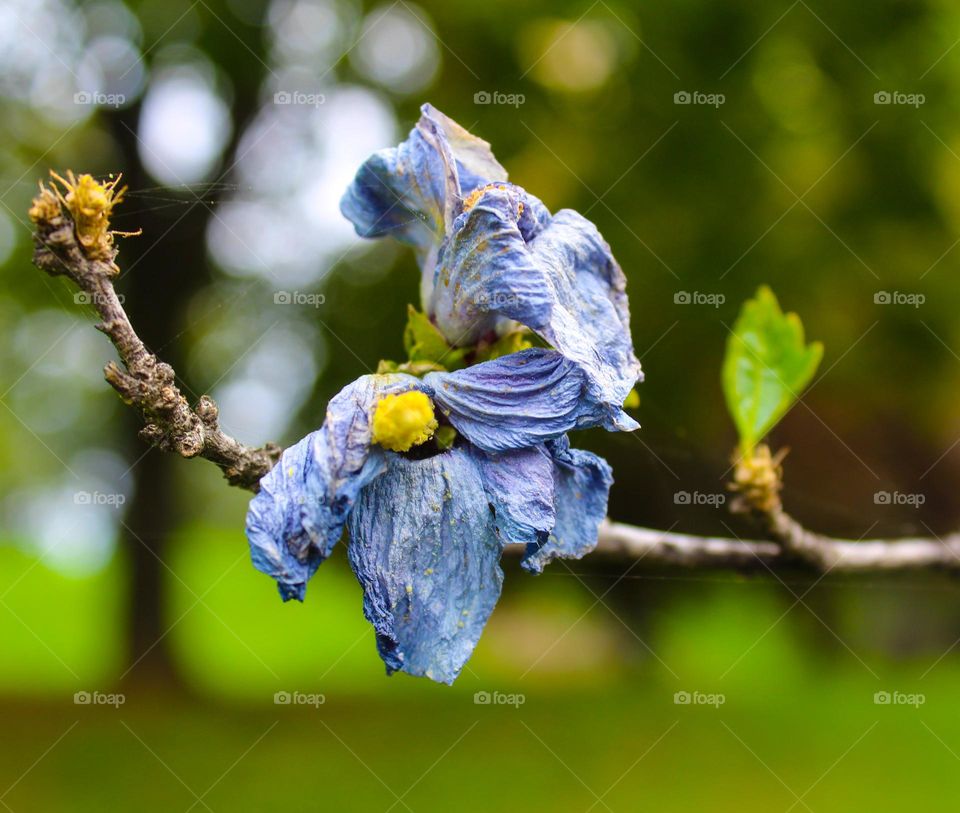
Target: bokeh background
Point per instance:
(819, 153)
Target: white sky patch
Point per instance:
(184, 126)
(286, 226)
(308, 32)
(397, 49)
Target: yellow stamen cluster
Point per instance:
(90, 204)
(403, 421)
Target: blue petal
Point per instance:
(424, 548)
(298, 515)
(519, 485)
(414, 191)
(582, 484)
(563, 283)
(476, 165)
(519, 400)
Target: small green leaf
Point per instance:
(425, 343)
(767, 366)
(632, 401)
(504, 346)
(444, 437)
(417, 368)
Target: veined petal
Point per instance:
(414, 191)
(424, 548)
(581, 486)
(298, 515)
(484, 271)
(563, 283)
(476, 165)
(520, 400)
(410, 192)
(520, 487)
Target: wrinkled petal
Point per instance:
(476, 165)
(520, 400)
(581, 484)
(414, 191)
(424, 548)
(563, 283)
(519, 485)
(298, 515)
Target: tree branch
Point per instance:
(792, 545)
(72, 239)
(144, 381)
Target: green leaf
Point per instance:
(386, 366)
(417, 368)
(767, 366)
(504, 346)
(632, 401)
(445, 437)
(425, 343)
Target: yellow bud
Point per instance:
(403, 421)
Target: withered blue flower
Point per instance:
(428, 521)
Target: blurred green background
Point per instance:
(818, 151)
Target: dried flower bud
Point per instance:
(90, 204)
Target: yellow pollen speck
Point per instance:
(471, 200)
(428, 571)
(403, 421)
(409, 589)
